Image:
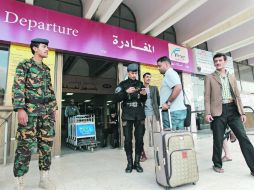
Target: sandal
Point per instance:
(143, 157)
(232, 137)
(226, 159)
(218, 170)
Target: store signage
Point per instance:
(30, 24)
(178, 53)
(204, 62)
(181, 57)
(81, 84)
(20, 22)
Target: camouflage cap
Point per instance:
(132, 67)
(40, 41)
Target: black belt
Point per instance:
(39, 101)
(133, 104)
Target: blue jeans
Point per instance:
(177, 118)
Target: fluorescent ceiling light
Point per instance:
(109, 101)
(87, 101)
(63, 100)
(69, 93)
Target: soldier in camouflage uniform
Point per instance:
(35, 102)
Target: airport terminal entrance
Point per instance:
(87, 94)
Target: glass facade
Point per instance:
(71, 7)
(202, 46)
(168, 35)
(123, 18)
(4, 54)
(199, 107)
(246, 78)
(198, 92)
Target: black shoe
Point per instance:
(252, 173)
(129, 168)
(130, 164)
(137, 167)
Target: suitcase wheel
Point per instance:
(194, 183)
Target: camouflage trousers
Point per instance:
(35, 137)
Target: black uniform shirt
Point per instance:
(132, 104)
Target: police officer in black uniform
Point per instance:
(131, 92)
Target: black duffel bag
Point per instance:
(187, 121)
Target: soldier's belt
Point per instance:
(133, 104)
(39, 101)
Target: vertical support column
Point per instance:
(58, 93)
(5, 141)
(105, 113)
(120, 77)
(187, 85)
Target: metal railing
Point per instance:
(5, 124)
(5, 135)
(250, 129)
(248, 107)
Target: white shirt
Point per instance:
(170, 80)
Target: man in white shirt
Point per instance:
(171, 96)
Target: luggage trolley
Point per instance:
(82, 132)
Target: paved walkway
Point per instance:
(104, 170)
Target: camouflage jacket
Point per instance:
(32, 85)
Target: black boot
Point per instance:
(130, 164)
(137, 166)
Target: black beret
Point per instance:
(132, 67)
(40, 41)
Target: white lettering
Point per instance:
(23, 22)
(75, 32)
(68, 31)
(54, 27)
(7, 17)
(31, 25)
(59, 30)
(48, 27)
(41, 25)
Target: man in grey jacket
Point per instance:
(152, 115)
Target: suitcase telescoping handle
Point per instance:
(157, 157)
(169, 118)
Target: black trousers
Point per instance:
(230, 117)
(138, 133)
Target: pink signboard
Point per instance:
(20, 22)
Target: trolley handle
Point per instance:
(169, 118)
